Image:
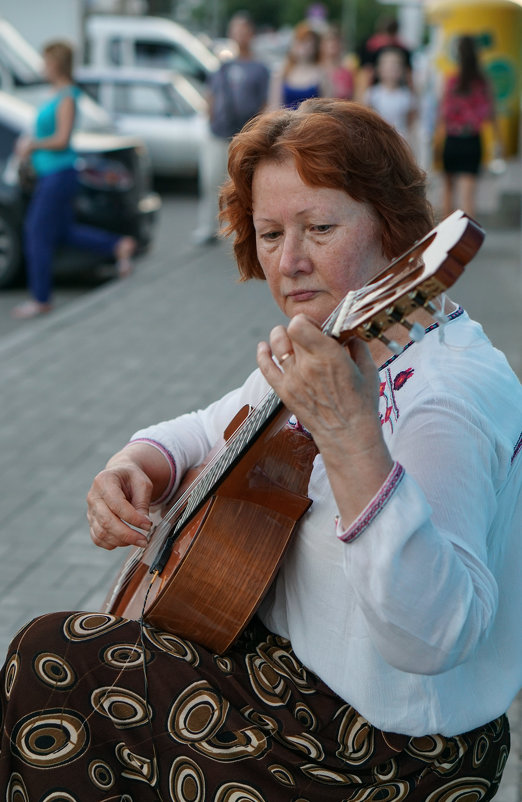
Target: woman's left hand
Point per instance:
(332, 390)
(334, 393)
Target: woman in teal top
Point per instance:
(50, 217)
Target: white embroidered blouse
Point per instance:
(412, 613)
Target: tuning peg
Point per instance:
(393, 345)
(417, 332)
(438, 314)
(420, 300)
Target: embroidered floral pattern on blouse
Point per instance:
(388, 408)
(387, 389)
(401, 378)
(294, 424)
(374, 507)
(384, 393)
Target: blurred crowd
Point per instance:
(441, 119)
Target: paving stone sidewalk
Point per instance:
(173, 337)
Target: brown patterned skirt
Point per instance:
(83, 722)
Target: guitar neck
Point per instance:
(237, 445)
(214, 474)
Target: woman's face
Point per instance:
(52, 70)
(314, 244)
(303, 48)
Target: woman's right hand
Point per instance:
(118, 500)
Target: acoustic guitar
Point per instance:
(214, 554)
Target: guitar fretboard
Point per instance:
(212, 476)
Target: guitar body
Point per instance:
(218, 549)
(226, 557)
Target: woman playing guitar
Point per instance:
(382, 659)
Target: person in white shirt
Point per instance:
(391, 96)
(382, 660)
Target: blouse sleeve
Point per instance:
(187, 439)
(420, 567)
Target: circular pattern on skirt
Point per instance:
(124, 655)
(224, 663)
(136, 767)
(390, 792)
(101, 775)
(84, 626)
(356, 738)
(59, 796)
(186, 781)
(16, 790)
(54, 670)
(305, 716)
(172, 644)
(282, 775)
(480, 750)
(238, 792)
(197, 713)
(271, 687)
(50, 739)
(123, 707)
(11, 672)
(464, 789)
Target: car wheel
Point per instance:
(10, 251)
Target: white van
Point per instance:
(128, 41)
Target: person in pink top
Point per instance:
(467, 104)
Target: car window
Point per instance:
(166, 55)
(115, 48)
(144, 99)
(91, 88)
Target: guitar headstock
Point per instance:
(411, 281)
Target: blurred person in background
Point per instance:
(237, 92)
(301, 76)
(386, 35)
(467, 104)
(391, 97)
(338, 79)
(50, 216)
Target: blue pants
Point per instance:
(49, 223)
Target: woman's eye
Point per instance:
(270, 236)
(322, 229)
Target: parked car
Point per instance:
(150, 42)
(114, 191)
(162, 108)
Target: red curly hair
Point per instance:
(337, 144)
